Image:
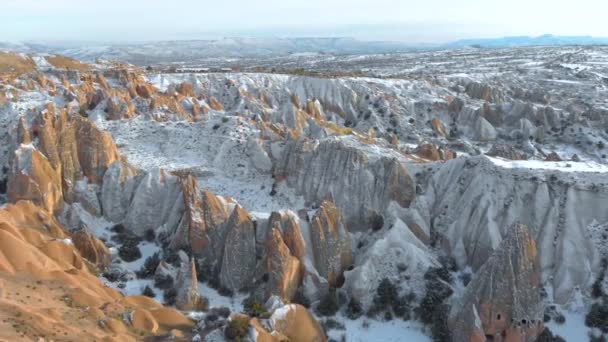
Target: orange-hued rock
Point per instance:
(23, 133)
(215, 104)
(92, 249)
(74, 146)
(285, 270)
(288, 224)
(96, 149)
(505, 151)
(553, 157)
(503, 299)
(47, 289)
(434, 153)
(33, 178)
(202, 229)
(185, 89)
(145, 90)
(438, 127)
(330, 242)
(297, 324)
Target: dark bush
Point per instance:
(173, 259)
(386, 293)
(169, 296)
(150, 236)
(149, 267)
(376, 222)
(598, 316)
(237, 328)
(437, 290)
(402, 307)
(129, 251)
(465, 278)
(222, 311)
(328, 306)
(354, 309)
(300, 298)
(547, 336)
(3, 185)
(226, 292)
(332, 324)
(559, 319)
(118, 229)
(148, 292)
(163, 282)
(254, 307)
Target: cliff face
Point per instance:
(471, 212)
(503, 299)
(361, 184)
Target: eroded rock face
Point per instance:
(297, 324)
(239, 259)
(505, 151)
(188, 297)
(33, 178)
(157, 202)
(284, 269)
(471, 214)
(92, 249)
(365, 184)
(203, 227)
(503, 299)
(117, 188)
(330, 243)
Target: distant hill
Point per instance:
(544, 40)
(155, 52)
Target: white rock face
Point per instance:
(117, 189)
(157, 202)
(361, 184)
(398, 255)
(470, 201)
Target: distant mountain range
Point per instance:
(544, 40)
(190, 50)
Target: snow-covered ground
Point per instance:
(563, 166)
(367, 330)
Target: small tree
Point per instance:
(129, 251)
(237, 328)
(148, 292)
(328, 305)
(354, 309)
(254, 307)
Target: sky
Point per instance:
(419, 21)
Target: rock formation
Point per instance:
(33, 178)
(188, 297)
(239, 258)
(366, 185)
(284, 270)
(330, 243)
(503, 299)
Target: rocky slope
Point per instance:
(345, 195)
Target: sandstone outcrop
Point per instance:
(503, 299)
(239, 258)
(188, 297)
(284, 270)
(330, 243)
(92, 249)
(54, 287)
(33, 178)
